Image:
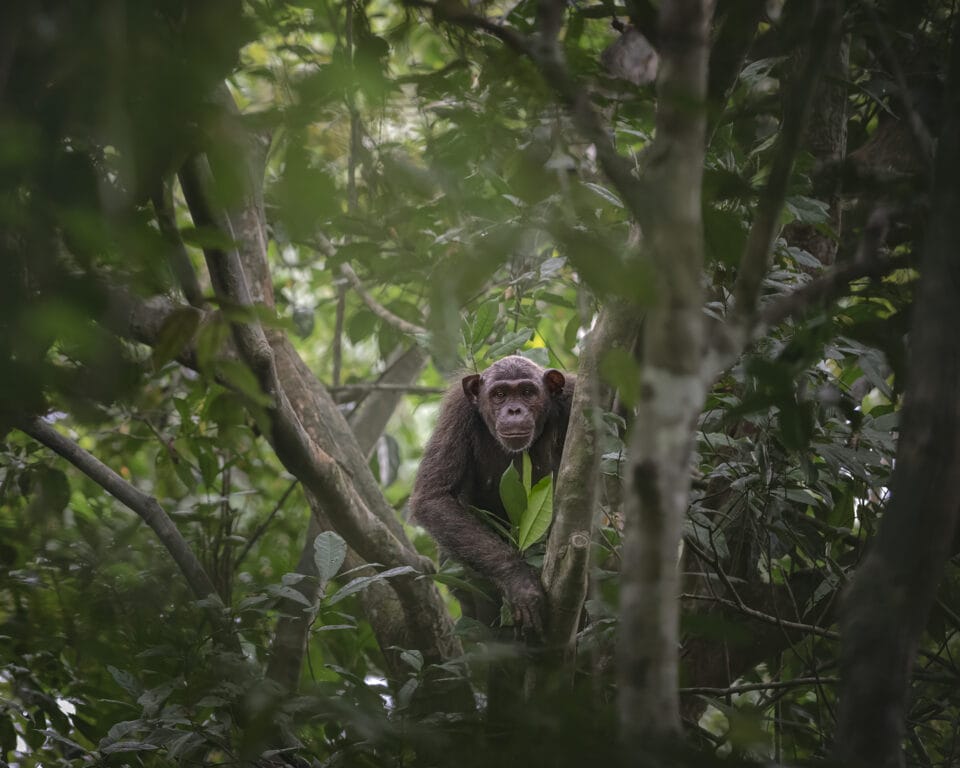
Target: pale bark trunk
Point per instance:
(672, 389)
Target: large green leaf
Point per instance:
(539, 513)
(513, 495)
(329, 552)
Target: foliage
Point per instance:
(529, 506)
(438, 165)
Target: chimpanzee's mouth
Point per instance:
(514, 435)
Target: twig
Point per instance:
(261, 529)
(405, 326)
(727, 341)
(754, 263)
(347, 390)
(338, 335)
(146, 507)
(798, 682)
(177, 254)
(823, 290)
(765, 617)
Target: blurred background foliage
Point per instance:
(436, 164)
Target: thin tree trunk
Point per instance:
(672, 387)
(565, 566)
(889, 601)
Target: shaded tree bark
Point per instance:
(566, 563)
(889, 601)
(826, 139)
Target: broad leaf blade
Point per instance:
(536, 520)
(362, 582)
(513, 495)
(329, 551)
(527, 472)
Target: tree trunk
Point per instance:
(889, 601)
(672, 388)
(566, 563)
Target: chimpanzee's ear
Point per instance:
(471, 387)
(554, 381)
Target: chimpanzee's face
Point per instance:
(514, 400)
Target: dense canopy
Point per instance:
(246, 246)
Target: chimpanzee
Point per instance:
(485, 423)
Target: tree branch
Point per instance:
(320, 473)
(404, 326)
(177, 254)
(147, 508)
(380, 398)
(756, 257)
(766, 618)
(826, 288)
(357, 389)
(798, 682)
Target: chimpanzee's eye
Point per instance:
(499, 394)
(528, 392)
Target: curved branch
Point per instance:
(319, 472)
(146, 507)
(798, 682)
(177, 255)
(377, 308)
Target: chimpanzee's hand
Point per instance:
(523, 591)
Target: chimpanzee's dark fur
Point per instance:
(464, 460)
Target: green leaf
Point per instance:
(176, 332)
(527, 474)
(605, 193)
(724, 236)
(54, 491)
(413, 659)
(619, 368)
(241, 379)
(513, 494)
(363, 582)
(128, 746)
(290, 594)
(536, 520)
(509, 344)
(482, 322)
(494, 521)
(329, 552)
(211, 338)
(807, 209)
(361, 325)
(125, 680)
